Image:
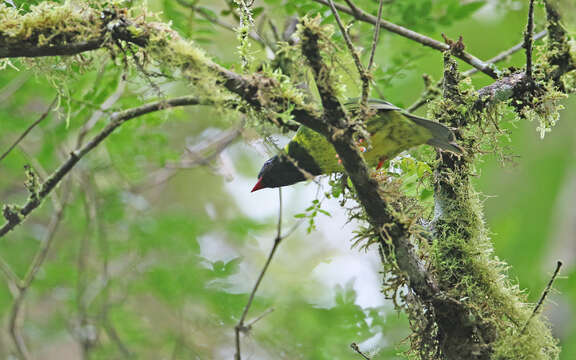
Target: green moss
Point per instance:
(462, 254)
(48, 23)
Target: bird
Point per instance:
(392, 130)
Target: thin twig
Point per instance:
(528, 40)
(506, 53)
(15, 317)
(241, 327)
(260, 317)
(361, 15)
(364, 77)
(355, 347)
(376, 35)
(30, 128)
(544, 295)
(116, 120)
(113, 335)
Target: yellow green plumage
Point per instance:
(392, 130)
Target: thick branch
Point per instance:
(63, 30)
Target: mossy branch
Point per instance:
(463, 256)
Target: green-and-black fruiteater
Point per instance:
(392, 131)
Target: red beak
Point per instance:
(258, 185)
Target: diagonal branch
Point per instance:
(116, 120)
(29, 128)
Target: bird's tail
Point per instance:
(442, 137)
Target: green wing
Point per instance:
(392, 131)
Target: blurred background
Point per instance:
(161, 240)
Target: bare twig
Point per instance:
(544, 295)
(30, 128)
(355, 347)
(506, 53)
(241, 327)
(361, 15)
(528, 40)
(15, 317)
(364, 76)
(376, 35)
(116, 120)
(259, 317)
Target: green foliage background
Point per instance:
(162, 270)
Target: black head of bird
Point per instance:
(278, 171)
